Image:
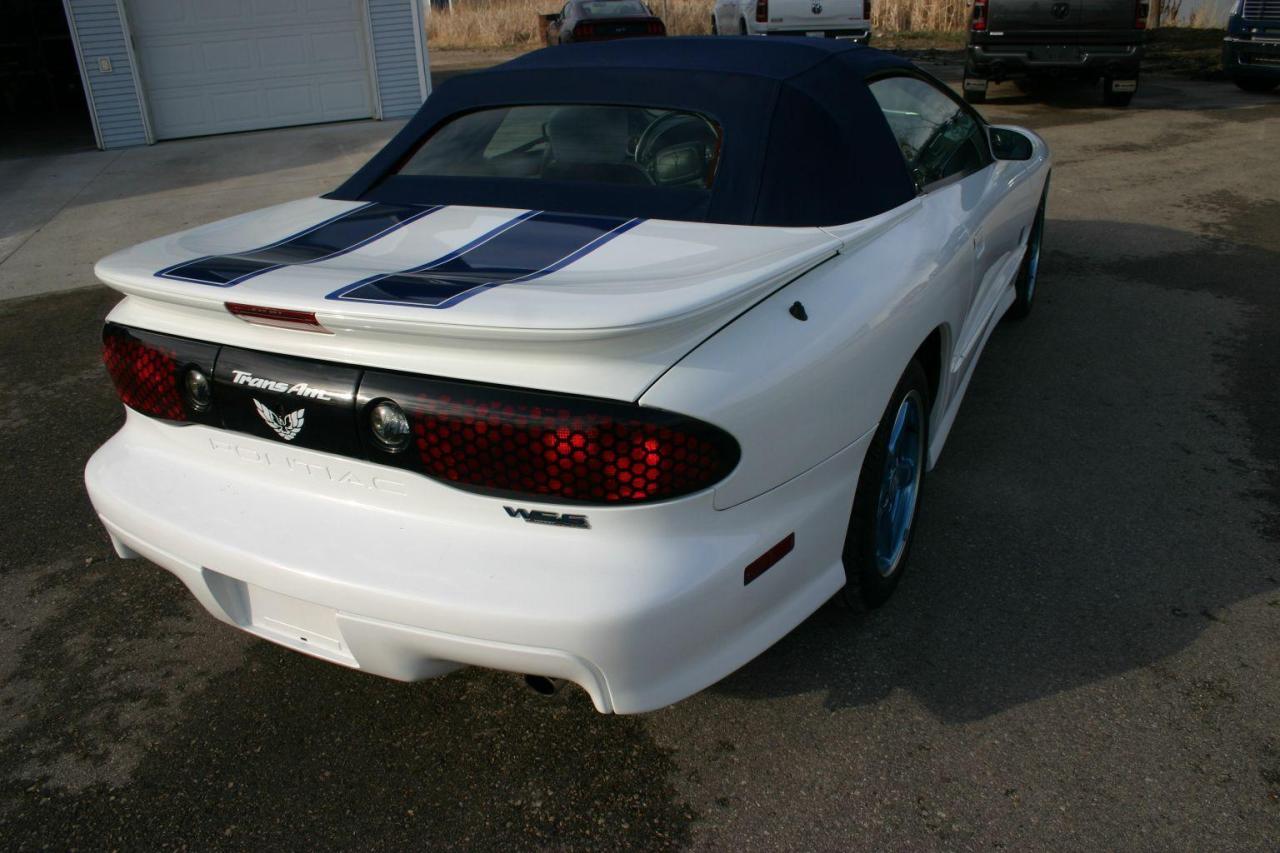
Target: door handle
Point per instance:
(979, 243)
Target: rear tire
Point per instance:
(715, 29)
(886, 505)
(1029, 273)
(1257, 85)
(742, 28)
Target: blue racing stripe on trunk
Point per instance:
(336, 236)
(530, 246)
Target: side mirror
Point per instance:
(1008, 144)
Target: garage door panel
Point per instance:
(218, 10)
(235, 109)
(214, 66)
(262, 8)
(290, 100)
(178, 109)
(338, 48)
(229, 58)
(341, 98)
(155, 13)
(281, 52)
(320, 7)
(179, 58)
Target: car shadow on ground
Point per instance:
(1092, 513)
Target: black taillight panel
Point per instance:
(488, 439)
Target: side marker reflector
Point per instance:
(283, 318)
(766, 560)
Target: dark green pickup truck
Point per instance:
(1034, 40)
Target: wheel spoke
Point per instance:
(896, 506)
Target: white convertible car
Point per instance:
(613, 366)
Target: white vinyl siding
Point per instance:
(95, 24)
(396, 51)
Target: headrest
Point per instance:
(588, 134)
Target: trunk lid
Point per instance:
(587, 305)
(811, 15)
(1034, 21)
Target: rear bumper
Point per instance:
(861, 35)
(399, 576)
(1005, 61)
(1251, 58)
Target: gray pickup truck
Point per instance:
(1033, 40)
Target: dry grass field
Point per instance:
(476, 24)
(482, 24)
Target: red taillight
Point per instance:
(146, 376)
(979, 23)
(158, 375)
(657, 28)
(866, 10)
(283, 318)
(535, 445)
(584, 31)
(1140, 12)
(762, 11)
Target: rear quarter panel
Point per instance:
(793, 392)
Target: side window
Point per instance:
(938, 138)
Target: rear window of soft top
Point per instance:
(601, 144)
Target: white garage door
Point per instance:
(212, 66)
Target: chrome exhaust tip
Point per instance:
(543, 685)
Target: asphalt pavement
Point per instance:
(1084, 655)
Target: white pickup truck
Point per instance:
(841, 19)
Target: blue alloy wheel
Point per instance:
(900, 484)
(887, 501)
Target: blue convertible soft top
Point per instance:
(804, 141)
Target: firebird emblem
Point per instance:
(1060, 10)
(286, 427)
(817, 7)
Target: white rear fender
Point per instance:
(795, 392)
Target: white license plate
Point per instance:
(973, 85)
(1124, 85)
(815, 34)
